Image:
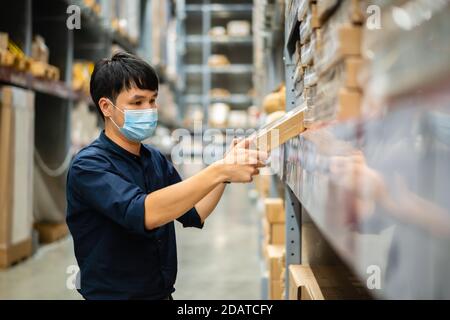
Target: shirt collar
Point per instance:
(111, 145)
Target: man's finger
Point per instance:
(244, 143)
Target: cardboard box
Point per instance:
(274, 208)
(275, 290)
(278, 233)
(315, 20)
(16, 173)
(353, 66)
(350, 40)
(285, 128)
(274, 233)
(352, 8)
(349, 104)
(337, 44)
(274, 254)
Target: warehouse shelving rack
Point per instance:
(402, 145)
(196, 79)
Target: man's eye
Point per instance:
(138, 103)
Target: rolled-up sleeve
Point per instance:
(109, 193)
(190, 218)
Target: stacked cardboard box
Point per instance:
(328, 59)
(274, 256)
(338, 60)
(305, 76)
(274, 221)
(274, 239)
(16, 174)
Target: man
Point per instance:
(123, 196)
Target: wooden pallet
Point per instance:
(43, 70)
(16, 253)
(51, 232)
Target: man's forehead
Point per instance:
(141, 93)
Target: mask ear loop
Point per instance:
(110, 118)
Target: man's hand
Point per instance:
(241, 163)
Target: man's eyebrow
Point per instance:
(137, 96)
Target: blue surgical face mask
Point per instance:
(138, 125)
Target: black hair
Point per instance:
(122, 72)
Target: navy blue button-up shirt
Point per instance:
(118, 257)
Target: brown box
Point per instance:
(285, 128)
(349, 104)
(274, 208)
(278, 233)
(350, 40)
(16, 173)
(315, 20)
(274, 233)
(352, 68)
(275, 290)
(355, 14)
(274, 254)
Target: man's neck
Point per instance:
(120, 140)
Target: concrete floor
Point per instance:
(219, 262)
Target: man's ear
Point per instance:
(105, 107)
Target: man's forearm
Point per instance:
(205, 206)
(168, 204)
